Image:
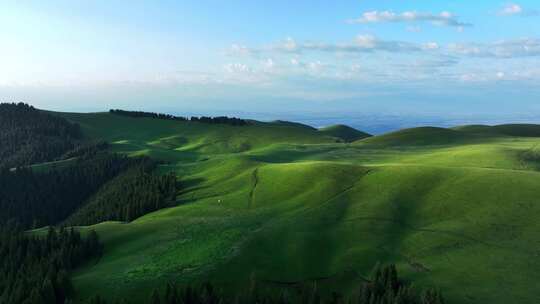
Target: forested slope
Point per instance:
(30, 136)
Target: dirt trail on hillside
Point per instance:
(255, 179)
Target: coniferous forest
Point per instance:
(233, 121)
(30, 136)
(35, 269)
(383, 287)
(131, 194)
(37, 199)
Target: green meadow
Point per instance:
(284, 204)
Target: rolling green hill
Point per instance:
(523, 130)
(285, 204)
(422, 136)
(346, 133)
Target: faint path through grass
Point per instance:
(255, 178)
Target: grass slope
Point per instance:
(344, 132)
(285, 204)
(422, 136)
(521, 130)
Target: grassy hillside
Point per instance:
(285, 204)
(423, 136)
(346, 133)
(164, 138)
(523, 130)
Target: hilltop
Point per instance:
(344, 132)
(520, 130)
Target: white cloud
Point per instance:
(431, 54)
(236, 68)
(240, 73)
(434, 63)
(361, 44)
(430, 46)
(366, 41)
(268, 64)
(442, 19)
(525, 47)
(240, 50)
(356, 67)
(469, 49)
(315, 66)
(512, 9)
(290, 45)
(470, 77)
(387, 61)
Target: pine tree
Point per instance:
(48, 293)
(35, 297)
(155, 299)
(96, 300)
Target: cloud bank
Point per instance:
(442, 19)
(513, 9)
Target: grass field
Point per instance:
(286, 204)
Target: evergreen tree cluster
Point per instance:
(47, 197)
(386, 288)
(139, 114)
(31, 136)
(35, 270)
(36, 199)
(86, 149)
(203, 119)
(383, 288)
(131, 194)
(233, 121)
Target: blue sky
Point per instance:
(414, 57)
